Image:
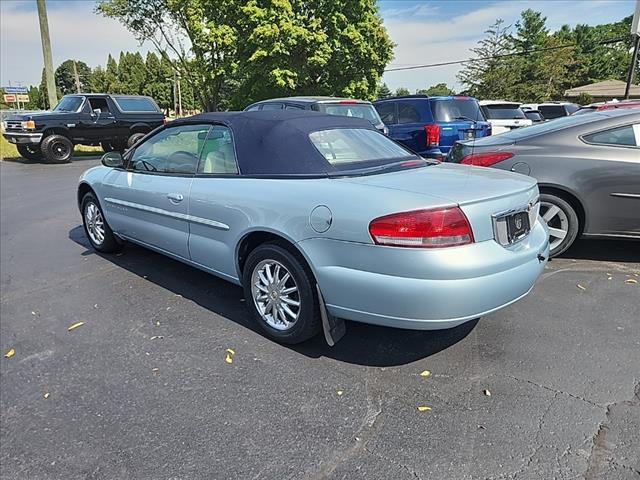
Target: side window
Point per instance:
(387, 112)
(621, 136)
(271, 106)
(253, 108)
(407, 113)
(173, 150)
(99, 104)
(218, 154)
(291, 106)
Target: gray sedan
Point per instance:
(321, 218)
(587, 167)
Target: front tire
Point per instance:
(280, 292)
(134, 138)
(57, 149)
(30, 152)
(96, 227)
(562, 220)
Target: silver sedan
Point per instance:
(321, 218)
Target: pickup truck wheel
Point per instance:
(134, 138)
(57, 149)
(30, 152)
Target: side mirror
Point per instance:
(113, 160)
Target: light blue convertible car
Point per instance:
(321, 218)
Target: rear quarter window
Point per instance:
(621, 136)
(136, 104)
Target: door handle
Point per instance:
(175, 197)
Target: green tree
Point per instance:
(440, 89)
(240, 50)
(36, 101)
(490, 74)
(384, 91)
(131, 73)
(111, 82)
(402, 91)
(66, 79)
(99, 82)
(158, 82)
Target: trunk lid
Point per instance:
(482, 193)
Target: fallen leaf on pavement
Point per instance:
(580, 286)
(157, 337)
(486, 392)
(10, 353)
(155, 370)
(630, 281)
(425, 373)
(230, 353)
(157, 323)
(46, 395)
(340, 392)
(74, 326)
(423, 408)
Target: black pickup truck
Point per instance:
(115, 122)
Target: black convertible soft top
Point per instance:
(276, 142)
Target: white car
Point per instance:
(552, 110)
(504, 116)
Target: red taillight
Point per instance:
(433, 135)
(486, 159)
(445, 227)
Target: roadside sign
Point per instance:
(635, 26)
(22, 98)
(15, 89)
(9, 99)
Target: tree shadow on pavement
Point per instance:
(362, 344)
(604, 250)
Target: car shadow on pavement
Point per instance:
(362, 344)
(76, 158)
(604, 250)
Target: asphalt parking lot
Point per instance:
(142, 390)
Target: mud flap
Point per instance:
(333, 328)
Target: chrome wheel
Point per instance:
(94, 222)
(275, 294)
(557, 221)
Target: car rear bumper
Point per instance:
(425, 289)
(21, 138)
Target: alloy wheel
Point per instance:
(95, 223)
(557, 221)
(275, 294)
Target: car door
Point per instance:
(215, 219)
(149, 201)
(102, 124)
(612, 188)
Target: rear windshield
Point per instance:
(69, 104)
(552, 111)
(561, 123)
(358, 110)
(352, 148)
(451, 110)
(535, 116)
(502, 112)
(136, 104)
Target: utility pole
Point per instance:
(75, 74)
(179, 97)
(175, 96)
(46, 53)
(635, 32)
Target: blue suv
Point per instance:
(430, 126)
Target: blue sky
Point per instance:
(427, 31)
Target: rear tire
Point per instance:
(562, 220)
(57, 149)
(96, 227)
(307, 322)
(134, 138)
(30, 152)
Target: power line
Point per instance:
(515, 54)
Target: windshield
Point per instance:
(450, 110)
(69, 104)
(540, 128)
(502, 112)
(357, 148)
(552, 111)
(358, 110)
(533, 115)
